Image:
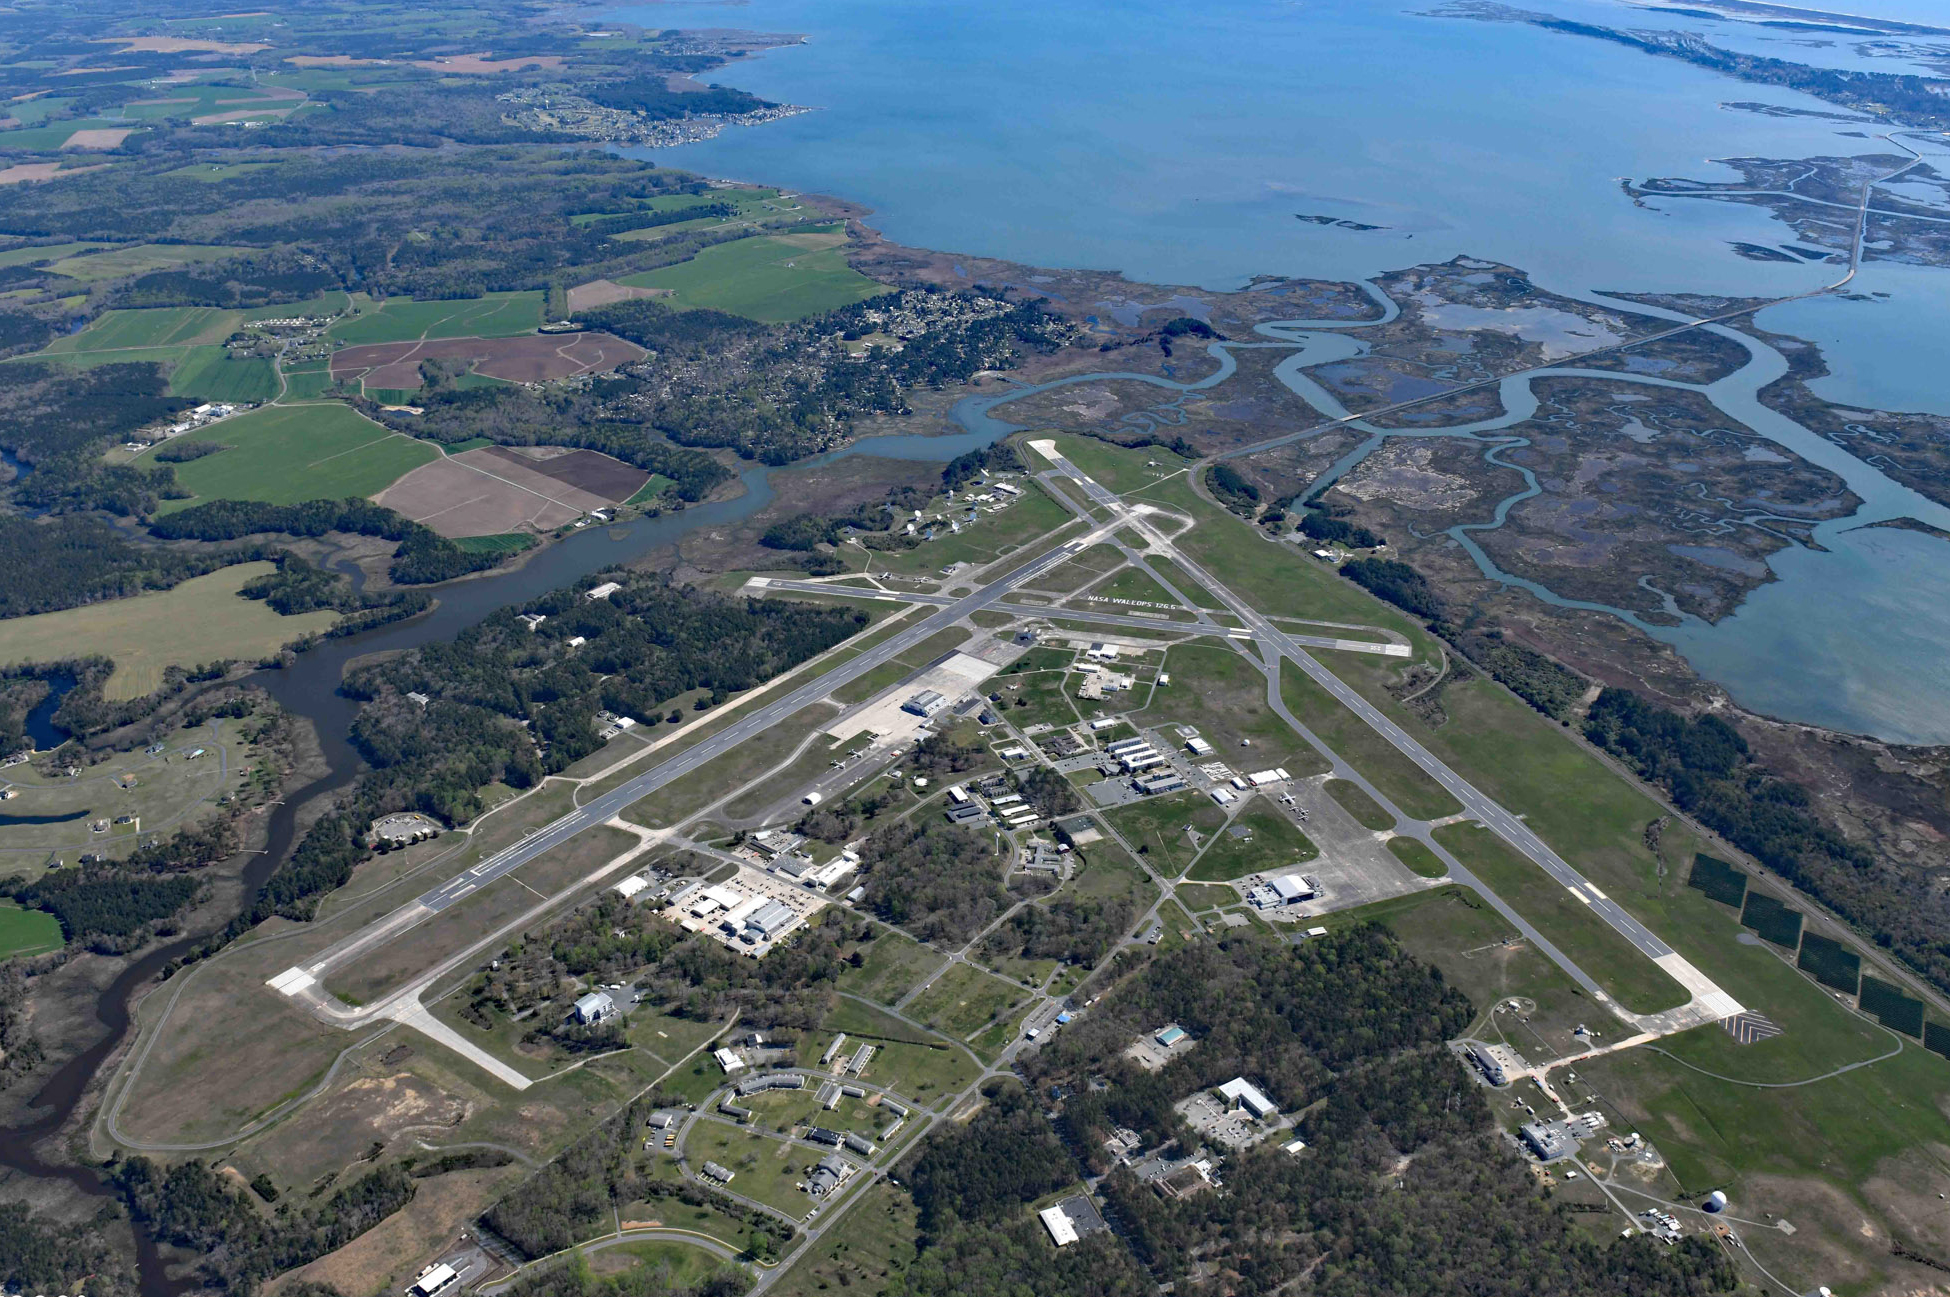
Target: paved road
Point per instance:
(303, 978)
(1709, 1002)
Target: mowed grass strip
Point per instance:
(402, 319)
(773, 279)
(202, 620)
(288, 454)
(1613, 962)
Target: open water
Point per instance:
(1179, 143)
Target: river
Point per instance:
(309, 689)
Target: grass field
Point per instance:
(764, 1168)
(772, 278)
(963, 1000)
(201, 620)
(1156, 827)
(1223, 694)
(893, 963)
(1275, 844)
(989, 537)
(678, 1265)
(400, 319)
(1418, 857)
(27, 932)
(286, 454)
(1362, 807)
(872, 1253)
(140, 259)
(917, 1070)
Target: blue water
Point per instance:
(1177, 143)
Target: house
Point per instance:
(532, 619)
(595, 1007)
(416, 697)
(718, 1173)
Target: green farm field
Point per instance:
(163, 326)
(287, 454)
(209, 374)
(202, 620)
(774, 278)
(401, 319)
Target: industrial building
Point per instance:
(595, 1007)
(925, 703)
(1057, 1222)
(1287, 889)
(1198, 747)
(433, 1280)
(1243, 1094)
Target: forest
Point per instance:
(196, 1208)
(1704, 766)
(1398, 583)
(940, 882)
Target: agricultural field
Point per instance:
(210, 374)
(202, 620)
(162, 326)
(287, 454)
(395, 366)
(402, 319)
(773, 278)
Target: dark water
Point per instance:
(310, 689)
(41, 729)
(9, 821)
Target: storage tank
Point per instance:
(1716, 1201)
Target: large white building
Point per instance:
(1241, 1093)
